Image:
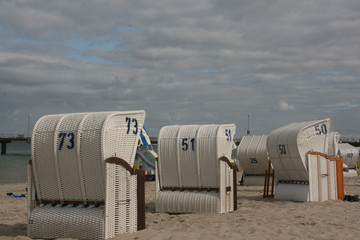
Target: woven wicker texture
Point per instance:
(30, 190)
(67, 222)
(121, 208)
(188, 155)
(226, 196)
(69, 151)
(68, 164)
(188, 201)
(253, 155)
(43, 148)
(189, 158)
(288, 145)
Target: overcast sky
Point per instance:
(183, 62)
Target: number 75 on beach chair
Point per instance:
(81, 181)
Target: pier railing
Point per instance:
(14, 136)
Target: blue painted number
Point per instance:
(70, 136)
(228, 135)
(282, 149)
(129, 121)
(185, 144)
(321, 129)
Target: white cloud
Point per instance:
(284, 106)
(181, 61)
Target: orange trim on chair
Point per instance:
(339, 172)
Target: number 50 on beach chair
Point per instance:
(81, 181)
(305, 172)
(193, 172)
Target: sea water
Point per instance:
(13, 165)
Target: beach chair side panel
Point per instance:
(314, 137)
(120, 136)
(121, 133)
(121, 206)
(225, 145)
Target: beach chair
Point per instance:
(304, 171)
(81, 183)
(253, 158)
(350, 155)
(194, 173)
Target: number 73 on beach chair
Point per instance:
(80, 179)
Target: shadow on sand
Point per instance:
(13, 230)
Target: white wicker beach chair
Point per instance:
(194, 172)
(350, 155)
(300, 175)
(253, 158)
(81, 183)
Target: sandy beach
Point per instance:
(255, 218)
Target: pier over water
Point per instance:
(8, 138)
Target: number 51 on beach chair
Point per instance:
(80, 179)
(194, 173)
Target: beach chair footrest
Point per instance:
(67, 222)
(188, 201)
